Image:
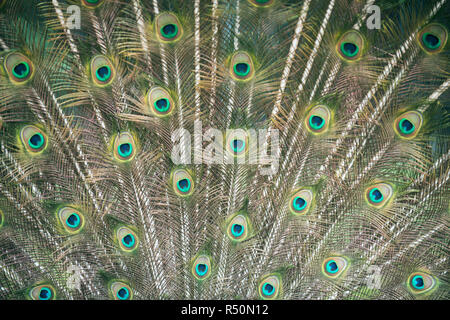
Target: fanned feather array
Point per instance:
(131, 139)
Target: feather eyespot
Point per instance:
(432, 38)
(183, 184)
(102, 71)
(201, 268)
(350, 46)
(269, 287)
(301, 201)
(238, 228)
(160, 102)
(333, 267)
(241, 67)
(408, 124)
(121, 291)
(237, 142)
(237, 145)
(318, 119)
(168, 28)
(379, 195)
(42, 292)
(124, 147)
(91, 3)
(421, 282)
(128, 241)
(33, 139)
(19, 68)
(71, 219)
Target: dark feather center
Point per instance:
(418, 282)
(169, 30)
(299, 203)
(268, 288)
(162, 105)
(377, 195)
(44, 294)
(128, 240)
(103, 73)
(431, 40)
(350, 49)
(317, 121)
(332, 266)
(125, 149)
(122, 293)
(183, 183)
(36, 140)
(73, 220)
(407, 126)
(238, 145)
(242, 68)
(237, 229)
(201, 267)
(21, 70)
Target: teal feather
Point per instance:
(354, 204)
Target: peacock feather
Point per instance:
(215, 149)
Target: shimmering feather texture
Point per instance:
(352, 202)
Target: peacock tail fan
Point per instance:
(215, 149)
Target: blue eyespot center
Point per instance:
(123, 293)
(128, 241)
(201, 269)
(169, 30)
(45, 294)
(299, 203)
(376, 195)
(184, 185)
(241, 69)
(162, 105)
(349, 49)
(316, 122)
(406, 126)
(36, 141)
(237, 145)
(73, 220)
(431, 41)
(268, 289)
(332, 266)
(125, 149)
(21, 70)
(418, 283)
(103, 73)
(237, 229)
